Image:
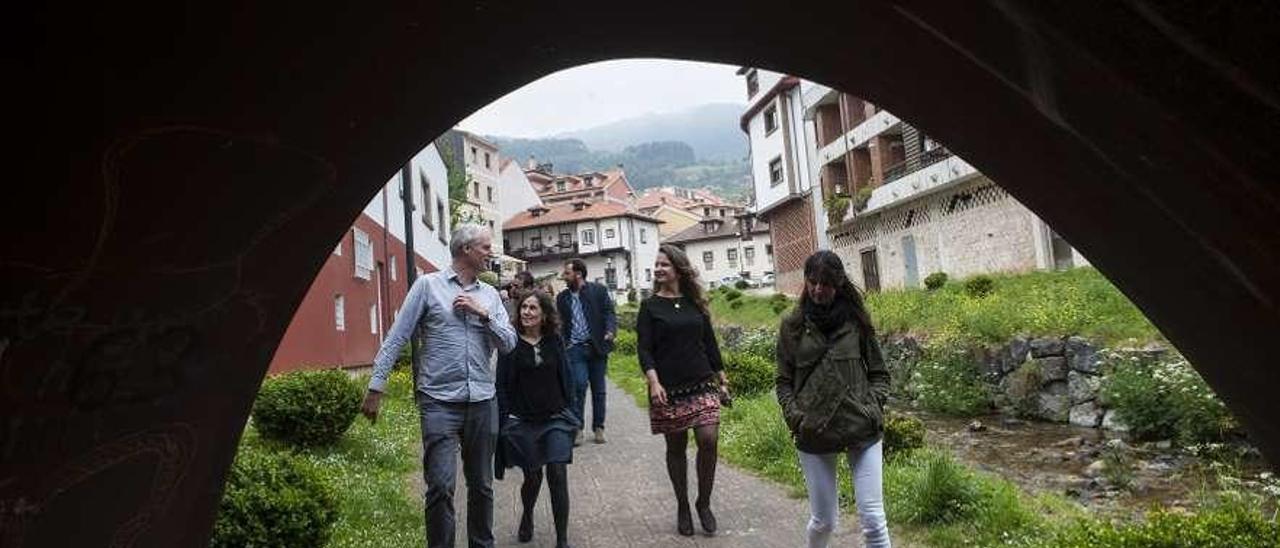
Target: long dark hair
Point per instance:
(826, 267)
(550, 319)
(686, 276)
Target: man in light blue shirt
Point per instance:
(460, 321)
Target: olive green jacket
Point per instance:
(832, 391)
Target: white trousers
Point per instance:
(868, 489)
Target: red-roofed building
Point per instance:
(588, 216)
(681, 208)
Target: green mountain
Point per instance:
(699, 148)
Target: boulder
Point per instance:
(1053, 368)
(994, 361)
(1082, 356)
(977, 426)
(1054, 407)
(1019, 347)
(1046, 346)
(1094, 469)
(1086, 414)
(1082, 387)
(1111, 421)
(1056, 388)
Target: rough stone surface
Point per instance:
(1086, 414)
(1094, 469)
(995, 362)
(1082, 356)
(1018, 349)
(1111, 421)
(1046, 346)
(1082, 387)
(1053, 368)
(620, 497)
(1056, 388)
(1054, 407)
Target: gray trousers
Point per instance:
(446, 428)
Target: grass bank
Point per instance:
(371, 470)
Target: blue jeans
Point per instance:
(446, 428)
(587, 369)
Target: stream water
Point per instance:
(1047, 457)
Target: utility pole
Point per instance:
(411, 258)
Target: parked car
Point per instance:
(767, 280)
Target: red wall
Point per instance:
(312, 340)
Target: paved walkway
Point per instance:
(620, 497)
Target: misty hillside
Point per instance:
(712, 130)
(651, 164)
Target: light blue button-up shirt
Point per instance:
(454, 361)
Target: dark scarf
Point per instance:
(829, 317)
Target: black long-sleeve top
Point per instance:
(533, 382)
(675, 338)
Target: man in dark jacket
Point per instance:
(588, 325)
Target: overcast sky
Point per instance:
(599, 93)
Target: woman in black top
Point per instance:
(537, 426)
(680, 358)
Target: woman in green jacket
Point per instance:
(832, 385)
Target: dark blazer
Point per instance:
(597, 306)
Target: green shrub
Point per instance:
(1117, 466)
(902, 434)
(748, 374)
(946, 379)
(1230, 526)
(732, 294)
(979, 286)
(307, 408)
(274, 499)
(779, 307)
(626, 317)
(934, 490)
(779, 298)
(1161, 398)
(935, 280)
(741, 284)
(837, 207)
(631, 296)
(488, 277)
(735, 304)
(860, 198)
(625, 342)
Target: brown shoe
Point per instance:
(600, 435)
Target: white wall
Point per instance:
(720, 266)
(627, 235)
(516, 194)
(426, 239)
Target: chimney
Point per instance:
(532, 163)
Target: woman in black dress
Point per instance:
(681, 360)
(537, 426)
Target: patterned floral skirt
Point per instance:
(684, 412)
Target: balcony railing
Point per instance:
(930, 157)
(566, 249)
(894, 172)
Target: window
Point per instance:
(770, 120)
(706, 212)
(648, 274)
(732, 256)
(339, 313)
(486, 161)
(373, 319)
(475, 190)
(338, 249)
(393, 268)
(722, 213)
(559, 186)
(753, 83)
(644, 236)
(768, 250)
(775, 171)
(490, 189)
(426, 199)
(444, 238)
(364, 255)
(589, 237)
(749, 255)
(608, 233)
(535, 242)
(473, 155)
(708, 260)
(611, 277)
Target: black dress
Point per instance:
(675, 338)
(536, 424)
